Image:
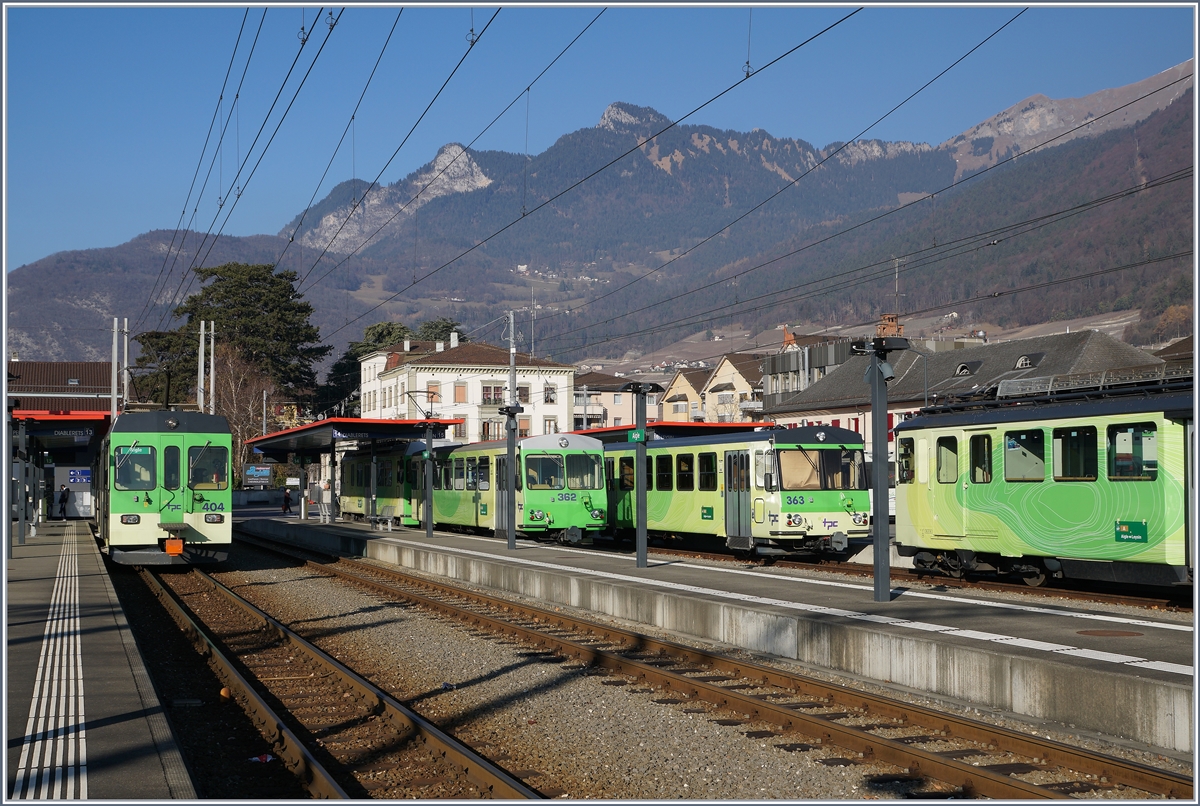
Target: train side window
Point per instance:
(447, 473)
(437, 474)
(627, 473)
(416, 474)
(610, 472)
(460, 474)
(134, 467)
(981, 459)
(685, 472)
(1132, 452)
(485, 472)
(664, 476)
(761, 468)
(907, 461)
(1025, 455)
(208, 468)
(1074, 453)
(708, 471)
(947, 460)
(472, 480)
(171, 478)
(385, 473)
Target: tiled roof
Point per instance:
(983, 368)
(1177, 351)
(27, 378)
(750, 366)
(599, 382)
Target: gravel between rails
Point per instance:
(585, 739)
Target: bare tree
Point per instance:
(240, 388)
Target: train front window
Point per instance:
(171, 467)
(544, 473)
(134, 467)
(821, 469)
(907, 456)
(208, 468)
(584, 472)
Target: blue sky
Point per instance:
(107, 108)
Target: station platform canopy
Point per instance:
(311, 441)
(670, 430)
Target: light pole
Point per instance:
(925, 364)
(877, 375)
(638, 436)
(427, 455)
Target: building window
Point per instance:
(523, 394)
(493, 394)
(616, 421)
(460, 393)
(679, 408)
(617, 399)
(523, 425)
(434, 391)
(651, 400)
(1132, 452)
(549, 425)
(724, 399)
(460, 431)
(550, 395)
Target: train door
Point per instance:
(503, 479)
(737, 499)
(977, 483)
(946, 481)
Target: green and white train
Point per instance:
(161, 486)
(1095, 487)
(560, 487)
(767, 493)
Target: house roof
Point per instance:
(92, 381)
(970, 370)
(749, 366)
(471, 354)
(1177, 351)
(599, 382)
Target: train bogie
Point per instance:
(162, 487)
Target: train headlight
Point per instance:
(131, 519)
(598, 514)
(860, 518)
(536, 515)
(217, 518)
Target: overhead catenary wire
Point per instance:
(266, 146)
(953, 249)
(840, 233)
(341, 140)
(199, 163)
(374, 182)
(808, 172)
(447, 167)
(597, 171)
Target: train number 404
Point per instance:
(213, 506)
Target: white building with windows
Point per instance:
(468, 381)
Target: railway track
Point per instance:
(963, 756)
(339, 734)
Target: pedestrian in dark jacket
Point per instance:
(287, 502)
(64, 495)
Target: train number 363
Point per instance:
(795, 500)
(214, 506)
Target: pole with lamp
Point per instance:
(877, 376)
(510, 413)
(638, 437)
(427, 456)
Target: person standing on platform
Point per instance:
(64, 495)
(287, 501)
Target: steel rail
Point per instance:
(311, 773)
(971, 778)
(489, 777)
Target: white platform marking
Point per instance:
(53, 764)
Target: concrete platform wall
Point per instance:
(1149, 711)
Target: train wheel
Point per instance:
(1034, 575)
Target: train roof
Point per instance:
(185, 421)
(1176, 405)
(807, 435)
(545, 442)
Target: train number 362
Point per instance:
(565, 497)
(214, 506)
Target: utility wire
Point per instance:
(594, 173)
(374, 183)
(341, 140)
(199, 162)
(794, 182)
(426, 186)
(861, 224)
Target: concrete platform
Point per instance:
(1116, 675)
(83, 719)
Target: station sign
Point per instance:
(636, 435)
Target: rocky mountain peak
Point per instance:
(624, 118)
